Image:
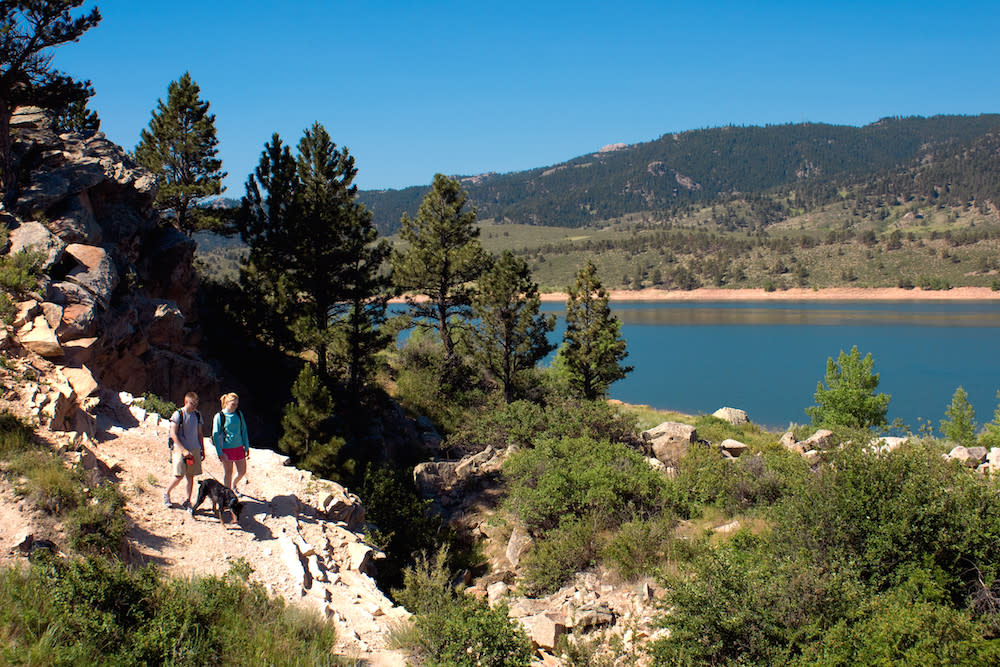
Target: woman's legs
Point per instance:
(241, 470)
(227, 467)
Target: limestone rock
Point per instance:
(36, 236)
(27, 311)
(95, 273)
(821, 439)
(41, 339)
(496, 591)
(734, 416)
(544, 629)
(81, 380)
(669, 441)
(362, 558)
(733, 447)
(52, 312)
(518, 544)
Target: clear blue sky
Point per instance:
(415, 88)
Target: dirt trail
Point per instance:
(295, 552)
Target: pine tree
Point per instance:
(960, 425)
(849, 397)
(990, 437)
(307, 426)
(512, 335)
(592, 347)
(443, 256)
(180, 148)
(28, 30)
(76, 117)
(314, 254)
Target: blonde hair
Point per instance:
(225, 398)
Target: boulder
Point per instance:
(361, 558)
(889, 444)
(821, 439)
(961, 454)
(41, 339)
(669, 441)
(978, 454)
(95, 271)
(27, 311)
(593, 616)
(496, 592)
(73, 220)
(49, 185)
(36, 236)
(79, 351)
(81, 380)
(734, 416)
(544, 629)
(52, 312)
(733, 447)
(518, 544)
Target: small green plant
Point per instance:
(153, 403)
(99, 525)
(456, 630)
(15, 436)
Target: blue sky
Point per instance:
(415, 88)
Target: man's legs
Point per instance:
(173, 484)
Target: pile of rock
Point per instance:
(984, 461)
(109, 264)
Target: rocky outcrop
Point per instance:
(734, 416)
(669, 441)
(115, 276)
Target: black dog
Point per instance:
(222, 498)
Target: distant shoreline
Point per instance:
(707, 294)
(797, 294)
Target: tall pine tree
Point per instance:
(180, 147)
(442, 258)
(307, 427)
(313, 254)
(592, 347)
(512, 335)
(29, 29)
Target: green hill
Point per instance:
(677, 171)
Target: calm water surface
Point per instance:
(766, 358)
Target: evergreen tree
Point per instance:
(180, 148)
(960, 425)
(265, 223)
(76, 117)
(28, 30)
(307, 426)
(314, 253)
(512, 334)
(849, 397)
(443, 256)
(990, 437)
(592, 346)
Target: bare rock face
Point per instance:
(669, 441)
(734, 416)
(115, 273)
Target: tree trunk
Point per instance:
(8, 177)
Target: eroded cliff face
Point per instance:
(117, 299)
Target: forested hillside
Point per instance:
(695, 167)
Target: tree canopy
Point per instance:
(592, 345)
(849, 397)
(28, 30)
(441, 258)
(180, 147)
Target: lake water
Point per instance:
(766, 358)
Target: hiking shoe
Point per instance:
(166, 500)
(187, 506)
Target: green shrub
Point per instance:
(153, 403)
(933, 283)
(99, 526)
(15, 436)
(19, 271)
(98, 611)
(640, 546)
(455, 630)
(571, 547)
(47, 482)
(960, 425)
(849, 397)
(572, 477)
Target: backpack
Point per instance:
(224, 420)
(180, 424)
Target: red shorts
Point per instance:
(234, 454)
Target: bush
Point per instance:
(153, 403)
(960, 425)
(19, 272)
(640, 546)
(99, 526)
(454, 630)
(571, 547)
(98, 611)
(15, 436)
(573, 477)
(47, 482)
(849, 397)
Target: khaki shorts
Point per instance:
(181, 468)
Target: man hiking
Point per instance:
(186, 438)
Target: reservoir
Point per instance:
(766, 358)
